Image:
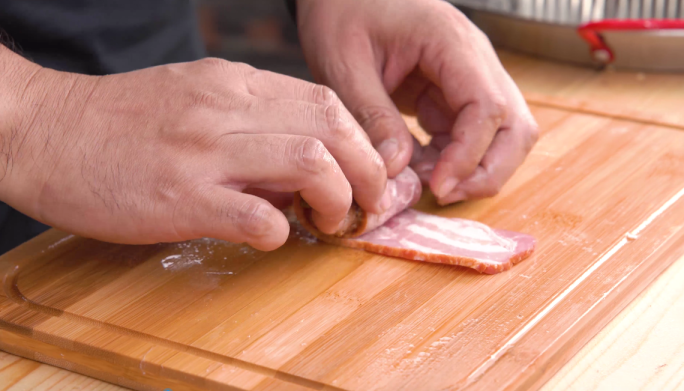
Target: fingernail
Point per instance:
(386, 200)
(389, 149)
(447, 186)
(459, 195)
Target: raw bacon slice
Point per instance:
(423, 237)
(410, 234)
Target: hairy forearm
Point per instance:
(13, 72)
(38, 108)
(15, 102)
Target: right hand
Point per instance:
(423, 58)
(170, 153)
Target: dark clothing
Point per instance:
(98, 37)
(292, 8)
(95, 37)
(16, 228)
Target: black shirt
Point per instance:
(95, 37)
(100, 37)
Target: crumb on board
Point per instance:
(414, 128)
(630, 236)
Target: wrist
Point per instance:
(14, 73)
(32, 100)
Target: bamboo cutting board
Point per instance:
(604, 198)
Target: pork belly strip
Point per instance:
(410, 234)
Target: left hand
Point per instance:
(422, 57)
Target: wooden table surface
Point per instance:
(642, 348)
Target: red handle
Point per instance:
(600, 51)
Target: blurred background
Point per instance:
(258, 32)
(642, 35)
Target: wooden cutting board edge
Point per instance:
(121, 371)
(32, 349)
(599, 109)
(131, 371)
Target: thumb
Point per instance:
(360, 88)
(222, 213)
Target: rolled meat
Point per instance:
(410, 234)
(405, 191)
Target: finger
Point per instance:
(271, 85)
(222, 213)
(417, 154)
(507, 152)
(434, 114)
(470, 92)
(287, 163)
(426, 164)
(280, 200)
(339, 133)
(361, 89)
(510, 147)
(274, 86)
(471, 137)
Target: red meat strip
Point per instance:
(410, 234)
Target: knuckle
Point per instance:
(311, 156)
(497, 107)
(479, 35)
(235, 72)
(215, 63)
(247, 73)
(244, 102)
(323, 95)
(254, 219)
(527, 131)
(371, 116)
(376, 162)
(532, 134)
(330, 123)
(331, 116)
(199, 98)
(244, 68)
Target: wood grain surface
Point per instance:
(19, 374)
(641, 349)
(654, 98)
(312, 316)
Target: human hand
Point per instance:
(422, 57)
(171, 153)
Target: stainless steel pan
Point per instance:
(643, 35)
